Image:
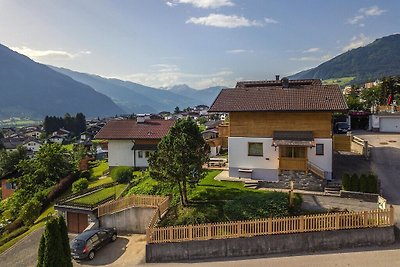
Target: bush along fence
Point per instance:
(158, 202)
(272, 226)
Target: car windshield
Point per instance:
(343, 126)
(76, 243)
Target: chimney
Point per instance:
(285, 82)
(277, 77)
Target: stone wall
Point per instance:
(270, 244)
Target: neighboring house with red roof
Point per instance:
(130, 142)
(279, 125)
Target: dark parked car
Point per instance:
(341, 127)
(85, 245)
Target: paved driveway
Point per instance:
(125, 251)
(385, 161)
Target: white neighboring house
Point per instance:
(56, 139)
(32, 145)
(280, 125)
(130, 142)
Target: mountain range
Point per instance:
(373, 61)
(137, 98)
(30, 89)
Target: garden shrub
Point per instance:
(80, 185)
(354, 182)
(363, 183)
(17, 223)
(30, 211)
(122, 174)
(372, 186)
(258, 206)
(85, 174)
(61, 187)
(346, 182)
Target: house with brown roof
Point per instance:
(279, 125)
(130, 142)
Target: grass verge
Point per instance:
(101, 195)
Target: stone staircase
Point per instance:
(332, 189)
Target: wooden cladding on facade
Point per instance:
(263, 124)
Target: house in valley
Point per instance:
(130, 142)
(279, 125)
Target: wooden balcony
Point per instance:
(293, 164)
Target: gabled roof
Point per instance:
(297, 97)
(264, 83)
(130, 129)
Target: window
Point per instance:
(256, 149)
(319, 149)
(292, 152)
(140, 154)
(11, 186)
(102, 235)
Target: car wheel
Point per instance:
(114, 237)
(91, 255)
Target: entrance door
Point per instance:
(293, 158)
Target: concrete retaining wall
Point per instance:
(262, 245)
(132, 220)
(370, 197)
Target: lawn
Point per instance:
(98, 170)
(102, 181)
(217, 201)
(101, 195)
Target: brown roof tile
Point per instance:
(313, 97)
(264, 83)
(130, 129)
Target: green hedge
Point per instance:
(366, 183)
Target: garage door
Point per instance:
(389, 124)
(76, 222)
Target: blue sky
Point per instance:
(201, 43)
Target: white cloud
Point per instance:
(365, 12)
(312, 50)
(372, 11)
(48, 54)
(224, 21)
(270, 21)
(356, 42)
(312, 58)
(166, 75)
(238, 51)
(202, 3)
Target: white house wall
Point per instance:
(141, 162)
(120, 153)
(323, 162)
(264, 168)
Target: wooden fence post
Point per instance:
(337, 221)
(302, 219)
(209, 231)
(270, 226)
(365, 213)
(391, 215)
(190, 232)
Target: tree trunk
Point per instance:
(181, 194)
(184, 193)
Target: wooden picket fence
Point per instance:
(272, 226)
(131, 201)
(160, 210)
